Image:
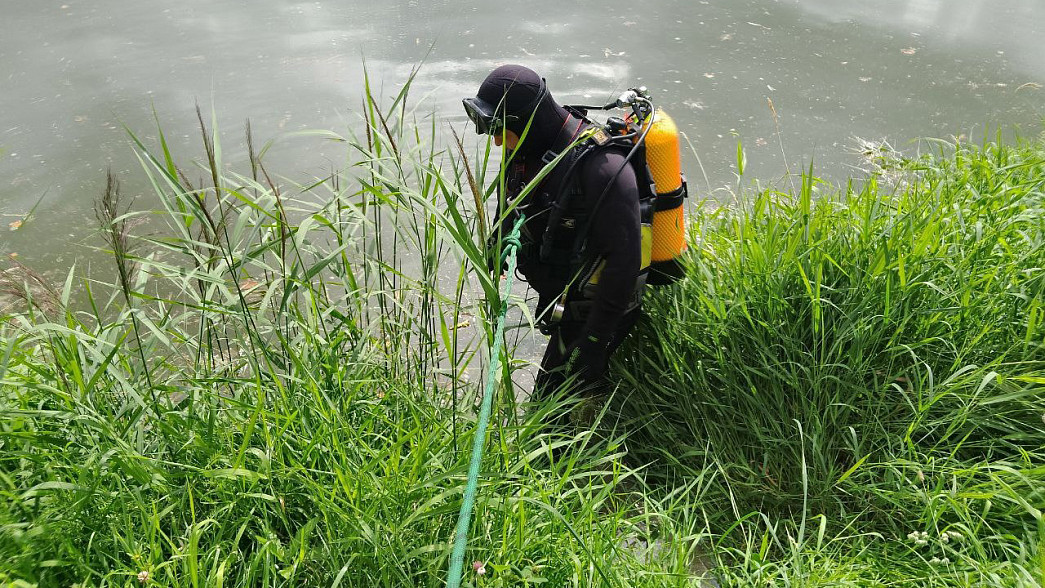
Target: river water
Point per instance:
(72, 72)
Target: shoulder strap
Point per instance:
(638, 147)
(596, 137)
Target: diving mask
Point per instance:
(491, 119)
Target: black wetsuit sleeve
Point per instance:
(616, 236)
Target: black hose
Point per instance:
(585, 107)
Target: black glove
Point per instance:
(587, 357)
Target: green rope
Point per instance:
(511, 246)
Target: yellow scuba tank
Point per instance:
(669, 226)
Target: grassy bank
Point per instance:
(278, 388)
(275, 390)
(858, 375)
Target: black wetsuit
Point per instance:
(614, 235)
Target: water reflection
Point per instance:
(1002, 28)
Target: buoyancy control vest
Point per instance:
(554, 255)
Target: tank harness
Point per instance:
(562, 249)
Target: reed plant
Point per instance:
(276, 390)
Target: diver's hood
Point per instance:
(522, 98)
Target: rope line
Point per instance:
(511, 243)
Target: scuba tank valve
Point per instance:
(632, 95)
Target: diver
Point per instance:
(581, 243)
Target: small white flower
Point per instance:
(143, 576)
(934, 560)
(479, 567)
(919, 537)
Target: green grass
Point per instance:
(278, 388)
(857, 365)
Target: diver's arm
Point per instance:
(616, 236)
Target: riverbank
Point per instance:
(846, 390)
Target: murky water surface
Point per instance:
(72, 72)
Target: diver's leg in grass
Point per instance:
(552, 374)
(596, 389)
(556, 382)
